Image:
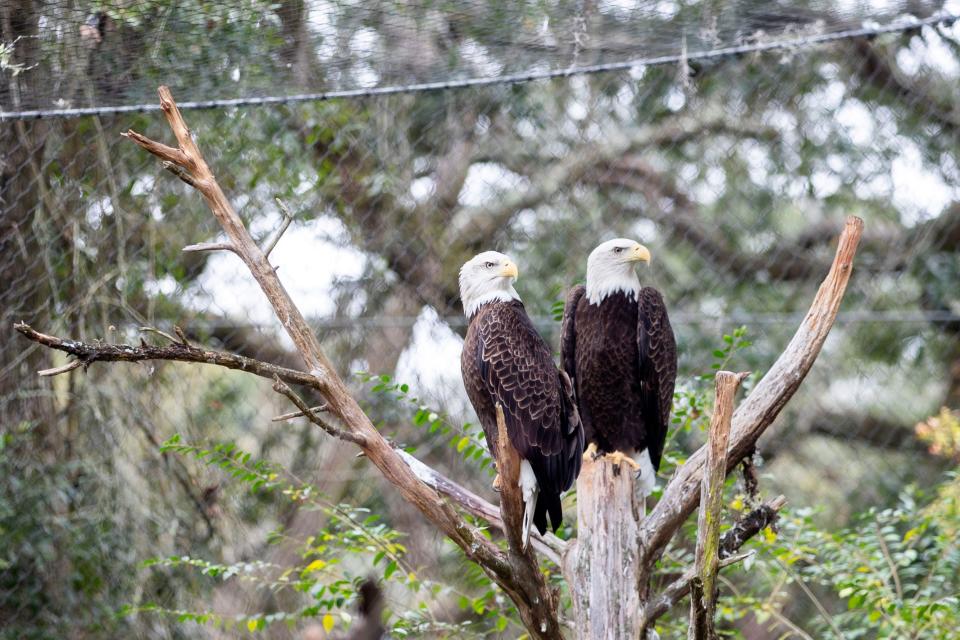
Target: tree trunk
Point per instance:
(602, 565)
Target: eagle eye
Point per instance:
(490, 265)
(618, 249)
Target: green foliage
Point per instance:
(353, 543)
(894, 574)
(58, 545)
(897, 569)
(467, 440)
(690, 416)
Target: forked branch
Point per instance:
(340, 402)
(762, 406)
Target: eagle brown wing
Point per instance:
(568, 346)
(658, 368)
(510, 364)
(568, 332)
(517, 370)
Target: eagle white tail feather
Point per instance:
(530, 489)
(648, 475)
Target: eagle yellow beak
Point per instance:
(509, 270)
(639, 254)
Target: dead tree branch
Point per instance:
(516, 570)
(87, 353)
(762, 406)
(341, 405)
(602, 565)
(763, 516)
(750, 525)
(284, 389)
(703, 589)
(549, 545)
(524, 562)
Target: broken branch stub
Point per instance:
(707, 558)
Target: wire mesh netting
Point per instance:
(737, 169)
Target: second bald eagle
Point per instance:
(618, 347)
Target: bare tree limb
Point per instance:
(340, 402)
(750, 525)
(209, 246)
(55, 371)
(544, 616)
(762, 406)
(298, 414)
(163, 334)
(287, 219)
(706, 563)
(678, 589)
(763, 516)
(548, 544)
(87, 353)
(282, 388)
(180, 172)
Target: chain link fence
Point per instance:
(736, 168)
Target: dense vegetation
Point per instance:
(142, 500)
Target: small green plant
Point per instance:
(353, 544)
(468, 440)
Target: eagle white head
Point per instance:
(610, 268)
(486, 277)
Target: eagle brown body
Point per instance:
(622, 357)
(505, 361)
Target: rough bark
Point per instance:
(602, 565)
(703, 602)
(542, 617)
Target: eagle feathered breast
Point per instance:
(622, 356)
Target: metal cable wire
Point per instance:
(944, 19)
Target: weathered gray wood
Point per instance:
(707, 558)
(543, 615)
(602, 565)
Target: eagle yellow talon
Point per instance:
(619, 457)
(591, 453)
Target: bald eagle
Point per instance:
(506, 362)
(618, 347)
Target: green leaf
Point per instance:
(391, 568)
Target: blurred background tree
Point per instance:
(736, 170)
